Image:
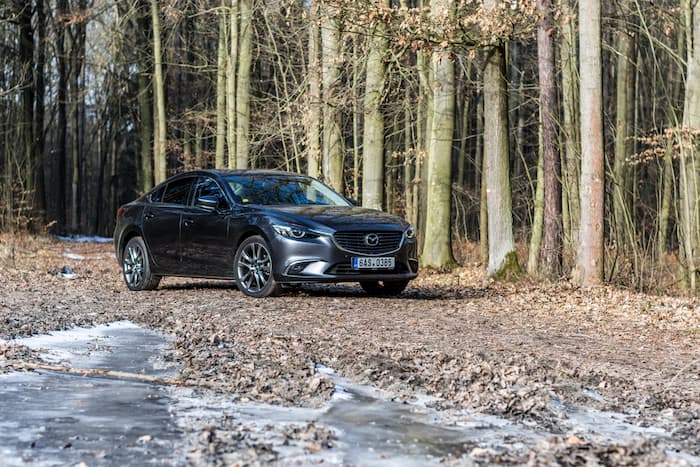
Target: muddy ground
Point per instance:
(518, 351)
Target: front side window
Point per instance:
(178, 191)
(273, 190)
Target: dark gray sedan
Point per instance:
(264, 229)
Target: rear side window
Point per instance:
(157, 196)
(178, 191)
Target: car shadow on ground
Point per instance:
(350, 290)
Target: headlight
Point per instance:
(290, 231)
(410, 232)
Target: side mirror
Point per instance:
(210, 203)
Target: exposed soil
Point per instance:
(498, 348)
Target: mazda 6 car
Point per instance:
(263, 229)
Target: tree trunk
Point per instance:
(589, 261)
(373, 137)
(534, 252)
(689, 166)
(621, 207)
(313, 124)
(245, 59)
(480, 181)
(551, 255)
(437, 248)
(38, 127)
(570, 128)
(145, 105)
(503, 261)
(231, 86)
(26, 143)
(331, 58)
(220, 156)
(159, 142)
(62, 118)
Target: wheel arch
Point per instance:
(252, 231)
(128, 235)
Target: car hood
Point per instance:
(337, 217)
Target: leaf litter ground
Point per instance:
(525, 352)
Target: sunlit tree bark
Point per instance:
(220, 160)
(331, 58)
(689, 191)
(159, 142)
(589, 262)
(503, 261)
(245, 59)
(373, 138)
(437, 249)
(231, 63)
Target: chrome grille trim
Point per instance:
(390, 241)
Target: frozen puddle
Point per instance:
(57, 419)
(50, 418)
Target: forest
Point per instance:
(554, 138)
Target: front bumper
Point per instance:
(321, 260)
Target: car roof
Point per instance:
(225, 172)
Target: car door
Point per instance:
(161, 225)
(206, 246)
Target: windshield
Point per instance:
(271, 190)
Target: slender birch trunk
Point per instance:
(159, 142)
(245, 59)
(231, 63)
(570, 127)
(220, 155)
(534, 252)
(313, 124)
(621, 205)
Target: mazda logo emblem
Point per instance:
(372, 239)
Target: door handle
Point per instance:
(188, 222)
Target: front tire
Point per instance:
(384, 288)
(253, 268)
(136, 267)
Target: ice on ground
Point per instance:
(84, 239)
(75, 256)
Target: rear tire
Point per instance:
(136, 267)
(253, 268)
(384, 288)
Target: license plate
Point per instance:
(373, 263)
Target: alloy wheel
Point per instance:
(254, 267)
(134, 265)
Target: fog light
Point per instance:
(298, 268)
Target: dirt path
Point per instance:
(508, 350)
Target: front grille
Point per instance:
(354, 242)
